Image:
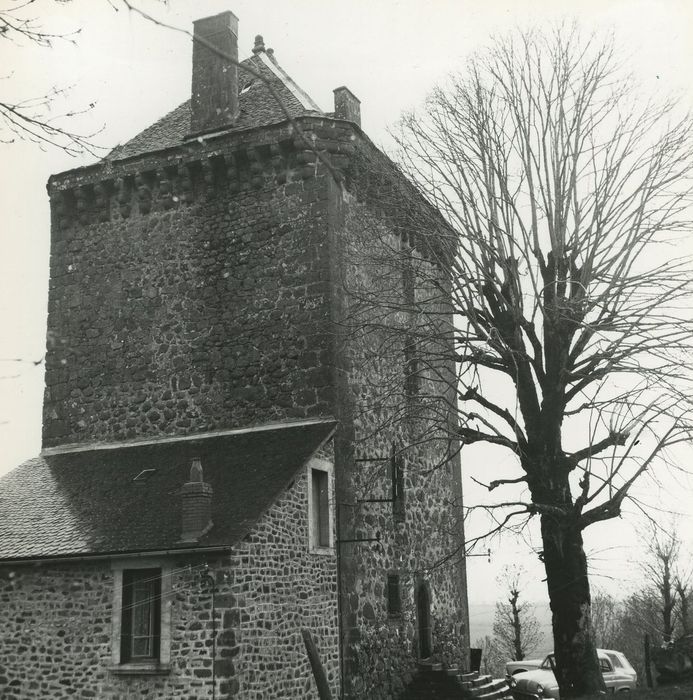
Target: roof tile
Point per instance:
(258, 107)
(83, 503)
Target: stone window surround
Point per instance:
(326, 466)
(163, 665)
(393, 581)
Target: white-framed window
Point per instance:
(141, 618)
(320, 506)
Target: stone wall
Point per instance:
(222, 288)
(422, 545)
(188, 292)
(57, 635)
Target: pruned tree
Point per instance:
(666, 572)
(553, 280)
(683, 590)
(516, 630)
(659, 571)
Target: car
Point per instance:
(513, 667)
(538, 683)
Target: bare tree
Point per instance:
(683, 590)
(607, 613)
(659, 571)
(564, 196)
(33, 118)
(667, 575)
(516, 629)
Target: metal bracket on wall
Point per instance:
(360, 539)
(487, 553)
(396, 472)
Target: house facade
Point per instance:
(210, 413)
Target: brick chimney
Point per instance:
(196, 505)
(346, 105)
(214, 80)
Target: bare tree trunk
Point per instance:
(668, 602)
(517, 626)
(648, 662)
(577, 667)
(683, 598)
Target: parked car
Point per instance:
(514, 667)
(538, 683)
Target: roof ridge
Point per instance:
(72, 448)
(296, 90)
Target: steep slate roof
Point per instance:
(257, 108)
(85, 502)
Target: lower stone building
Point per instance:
(176, 568)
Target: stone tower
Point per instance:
(200, 279)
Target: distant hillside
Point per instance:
(481, 623)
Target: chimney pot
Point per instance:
(214, 99)
(347, 106)
(196, 470)
(196, 505)
(259, 45)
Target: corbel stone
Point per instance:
(185, 182)
(144, 194)
(60, 209)
(207, 172)
(102, 200)
(82, 204)
(123, 189)
(232, 175)
(256, 169)
(165, 189)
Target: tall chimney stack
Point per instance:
(196, 505)
(214, 78)
(347, 105)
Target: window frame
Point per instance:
(135, 583)
(393, 582)
(315, 544)
(412, 368)
(123, 574)
(605, 665)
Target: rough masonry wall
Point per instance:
(187, 295)
(56, 621)
(374, 412)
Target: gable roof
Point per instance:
(86, 502)
(258, 107)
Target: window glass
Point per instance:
(604, 664)
(321, 513)
(394, 599)
(615, 660)
(397, 466)
(141, 614)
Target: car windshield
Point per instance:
(549, 663)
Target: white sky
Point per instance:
(388, 52)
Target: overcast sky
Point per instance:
(388, 52)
